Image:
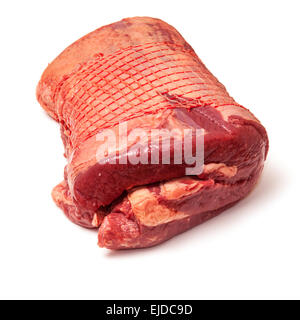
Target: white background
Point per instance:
(251, 251)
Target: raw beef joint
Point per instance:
(141, 72)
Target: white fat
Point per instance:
(227, 111)
(227, 171)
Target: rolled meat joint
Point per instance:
(139, 73)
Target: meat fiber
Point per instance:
(140, 71)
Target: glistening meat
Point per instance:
(141, 72)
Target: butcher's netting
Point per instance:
(133, 82)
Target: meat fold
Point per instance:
(141, 72)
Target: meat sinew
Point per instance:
(141, 72)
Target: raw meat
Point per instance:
(141, 72)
